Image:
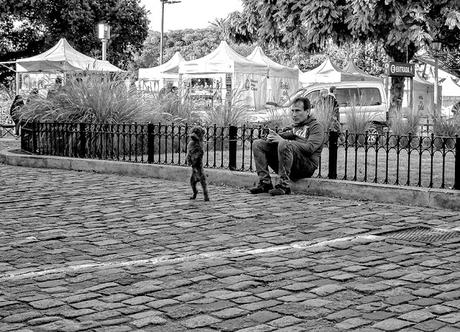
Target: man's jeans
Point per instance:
(288, 159)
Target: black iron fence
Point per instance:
(423, 161)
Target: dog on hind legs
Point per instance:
(194, 158)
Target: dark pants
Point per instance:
(288, 159)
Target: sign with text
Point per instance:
(401, 69)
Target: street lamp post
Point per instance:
(162, 24)
(103, 32)
(436, 45)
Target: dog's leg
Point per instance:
(204, 185)
(193, 182)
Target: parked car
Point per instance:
(358, 96)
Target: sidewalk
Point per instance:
(88, 251)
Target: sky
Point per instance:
(189, 14)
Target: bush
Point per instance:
(447, 127)
(168, 108)
(106, 99)
(402, 125)
(324, 113)
(277, 118)
(359, 120)
(92, 98)
(233, 112)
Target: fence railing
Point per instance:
(423, 161)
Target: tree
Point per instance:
(401, 27)
(222, 26)
(30, 27)
(192, 44)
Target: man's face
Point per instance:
(298, 113)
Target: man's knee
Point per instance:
(284, 146)
(259, 144)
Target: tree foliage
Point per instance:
(400, 27)
(192, 44)
(28, 27)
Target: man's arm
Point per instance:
(315, 140)
(289, 135)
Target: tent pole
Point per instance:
(17, 83)
(411, 94)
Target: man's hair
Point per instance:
(304, 101)
(332, 89)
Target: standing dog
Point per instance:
(195, 159)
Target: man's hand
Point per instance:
(273, 137)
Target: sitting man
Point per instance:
(293, 153)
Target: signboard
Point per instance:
(401, 69)
(228, 81)
(250, 84)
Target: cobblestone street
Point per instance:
(102, 252)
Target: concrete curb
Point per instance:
(424, 197)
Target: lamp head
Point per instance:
(103, 30)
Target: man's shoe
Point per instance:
(280, 190)
(261, 188)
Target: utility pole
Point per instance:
(162, 24)
(104, 35)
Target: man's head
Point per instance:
(300, 109)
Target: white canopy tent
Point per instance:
(422, 96)
(229, 73)
(358, 73)
(63, 57)
(155, 78)
(282, 81)
(450, 95)
(327, 72)
(427, 68)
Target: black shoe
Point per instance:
(261, 188)
(280, 190)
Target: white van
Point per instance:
(360, 96)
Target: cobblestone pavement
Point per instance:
(9, 143)
(98, 252)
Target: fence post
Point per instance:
(150, 150)
(232, 138)
(333, 147)
(82, 132)
(457, 163)
(34, 137)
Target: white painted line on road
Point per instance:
(174, 259)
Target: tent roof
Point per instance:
(325, 67)
(360, 74)
(326, 72)
(423, 56)
(63, 57)
(450, 88)
(275, 69)
(222, 60)
(419, 79)
(162, 71)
